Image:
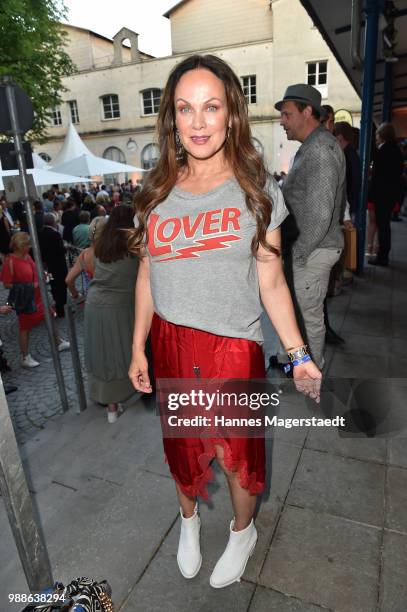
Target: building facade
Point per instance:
(113, 99)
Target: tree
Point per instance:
(32, 53)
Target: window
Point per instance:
(317, 76)
(117, 155)
(73, 107)
(151, 101)
(56, 116)
(110, 106)
(149, 156)
(249, 88)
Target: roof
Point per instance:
(69, 25)
(174, 8)
(333, 19)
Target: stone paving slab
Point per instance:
(163, 588)
(339, 486)
(353, 366)
(281, 463)
(398, 364)
(362, 344)
(399, 329)
(96, 449)
(265, 600)
(330, 440)
(394, 572)
(117, 533)
(373, 322)
(292, 406)
(398, 452)
(324, 560)
(396, 499)
(103, 531)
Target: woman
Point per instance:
(109, 313)
(5, 232)
(385, 188)
(85, 262)
(212, 214)
(20, 268)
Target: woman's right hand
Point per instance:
(138, 372)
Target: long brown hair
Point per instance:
(245, 161)
(112, 242)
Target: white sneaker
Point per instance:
(64, 346)
(232, 564)
(29, 362)
(189, 556)
(112, 416)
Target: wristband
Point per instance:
(296, 362)
(304, 359)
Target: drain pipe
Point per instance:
(372, 10)
(355, 34)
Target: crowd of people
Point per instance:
(175, 289)
(66, 223)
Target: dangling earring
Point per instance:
(228, 132)
(180, 150)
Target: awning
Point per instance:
(334, 19)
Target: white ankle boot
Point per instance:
(232, 563)
(189, 556)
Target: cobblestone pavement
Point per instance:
(37, 398)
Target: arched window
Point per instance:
(117, 155)
(258, 146)
(149, 156)
(114, 154)
(110, 106)
(150, 101)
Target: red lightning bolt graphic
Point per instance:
(206, 244)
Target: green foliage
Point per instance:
(32, 53)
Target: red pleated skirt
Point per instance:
(177, 350)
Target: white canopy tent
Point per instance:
(75, 158)
(42, 175)
(39, 162)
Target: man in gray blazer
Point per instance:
(315, 194)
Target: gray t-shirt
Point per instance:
(202, 272)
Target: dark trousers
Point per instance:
(383, 215)
(59, 293)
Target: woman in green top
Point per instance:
(109, 314)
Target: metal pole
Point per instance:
(76, 363)
(372, 10)
(14, 490)
(388, 92)
(18, 145)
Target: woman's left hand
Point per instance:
(6, 309)
(307, 379)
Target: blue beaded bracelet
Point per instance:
(302, 360)
(296, 362)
